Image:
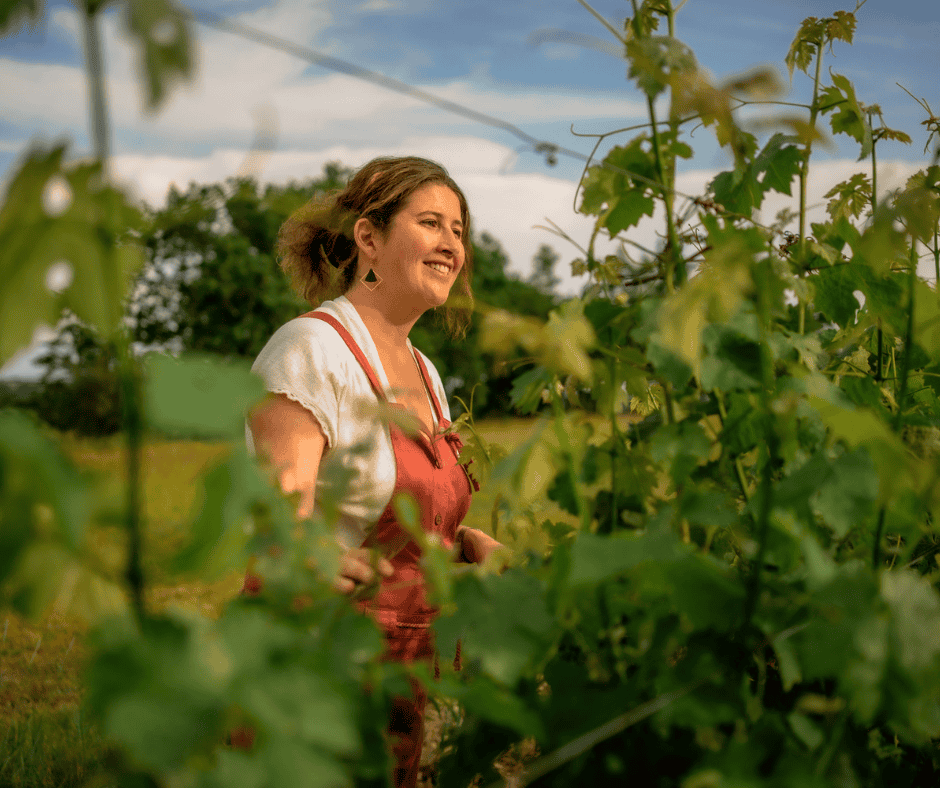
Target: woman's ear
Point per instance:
(366, 236)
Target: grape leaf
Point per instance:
(595, 559)
(13, 13)
(850, 197)
(834, 289)
(779, 162)
(846, 115)
(502, 620)
(162, 31)
(743, 189)
(655, 60)
(60, 246)
(200, 395)
(805, 45)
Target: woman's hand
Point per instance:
(357, 575)
(475, 546)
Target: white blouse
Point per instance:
(308, 361)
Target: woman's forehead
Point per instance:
(436, 198)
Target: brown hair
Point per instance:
(316, 245)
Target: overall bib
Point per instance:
(428, 470)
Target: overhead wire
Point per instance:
(543, 147)
(228, 25)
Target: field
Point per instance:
(44, 740)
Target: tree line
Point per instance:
(211, 284)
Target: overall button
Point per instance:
(437, 519)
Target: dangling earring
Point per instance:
(371, 279)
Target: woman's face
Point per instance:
(423, 252)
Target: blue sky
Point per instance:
(480, 53)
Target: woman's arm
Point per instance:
(289, 436)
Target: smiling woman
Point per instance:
(390, 246)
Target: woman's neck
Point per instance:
(389, 327)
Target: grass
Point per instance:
(44, 741)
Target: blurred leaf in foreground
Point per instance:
(62, 245)
(200, 395)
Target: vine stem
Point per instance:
(565, 440)
(874, 207)
(614, 446)
(770, 450)
(674, 272)
(738, 467)
(936, 258)
(902, 394)
(129, 381)
(804, 173)
(130, 390)
(95, 71)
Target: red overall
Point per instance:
(429, 471)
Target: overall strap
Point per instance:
(441, 421)
(354, 348)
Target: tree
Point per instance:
(211, 281)
(543, 276)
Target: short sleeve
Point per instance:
(301, 361)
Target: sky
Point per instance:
(546, 66)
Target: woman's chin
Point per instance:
(435, 298)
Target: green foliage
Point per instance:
(63, 236)
(846, 114)
(211, 283)
(738, 583)
(620, 188)
(814, 34)
(774, 169)
(161, 29)
(197, 395)
(15, 12)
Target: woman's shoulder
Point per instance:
(303, 341)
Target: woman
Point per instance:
(395, 242)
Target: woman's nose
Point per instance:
(450, 242)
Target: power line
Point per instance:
(549, 149)
(543, 147)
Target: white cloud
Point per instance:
(234, 78)
(528, 105)
(44, 98)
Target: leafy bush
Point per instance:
(741, 588)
